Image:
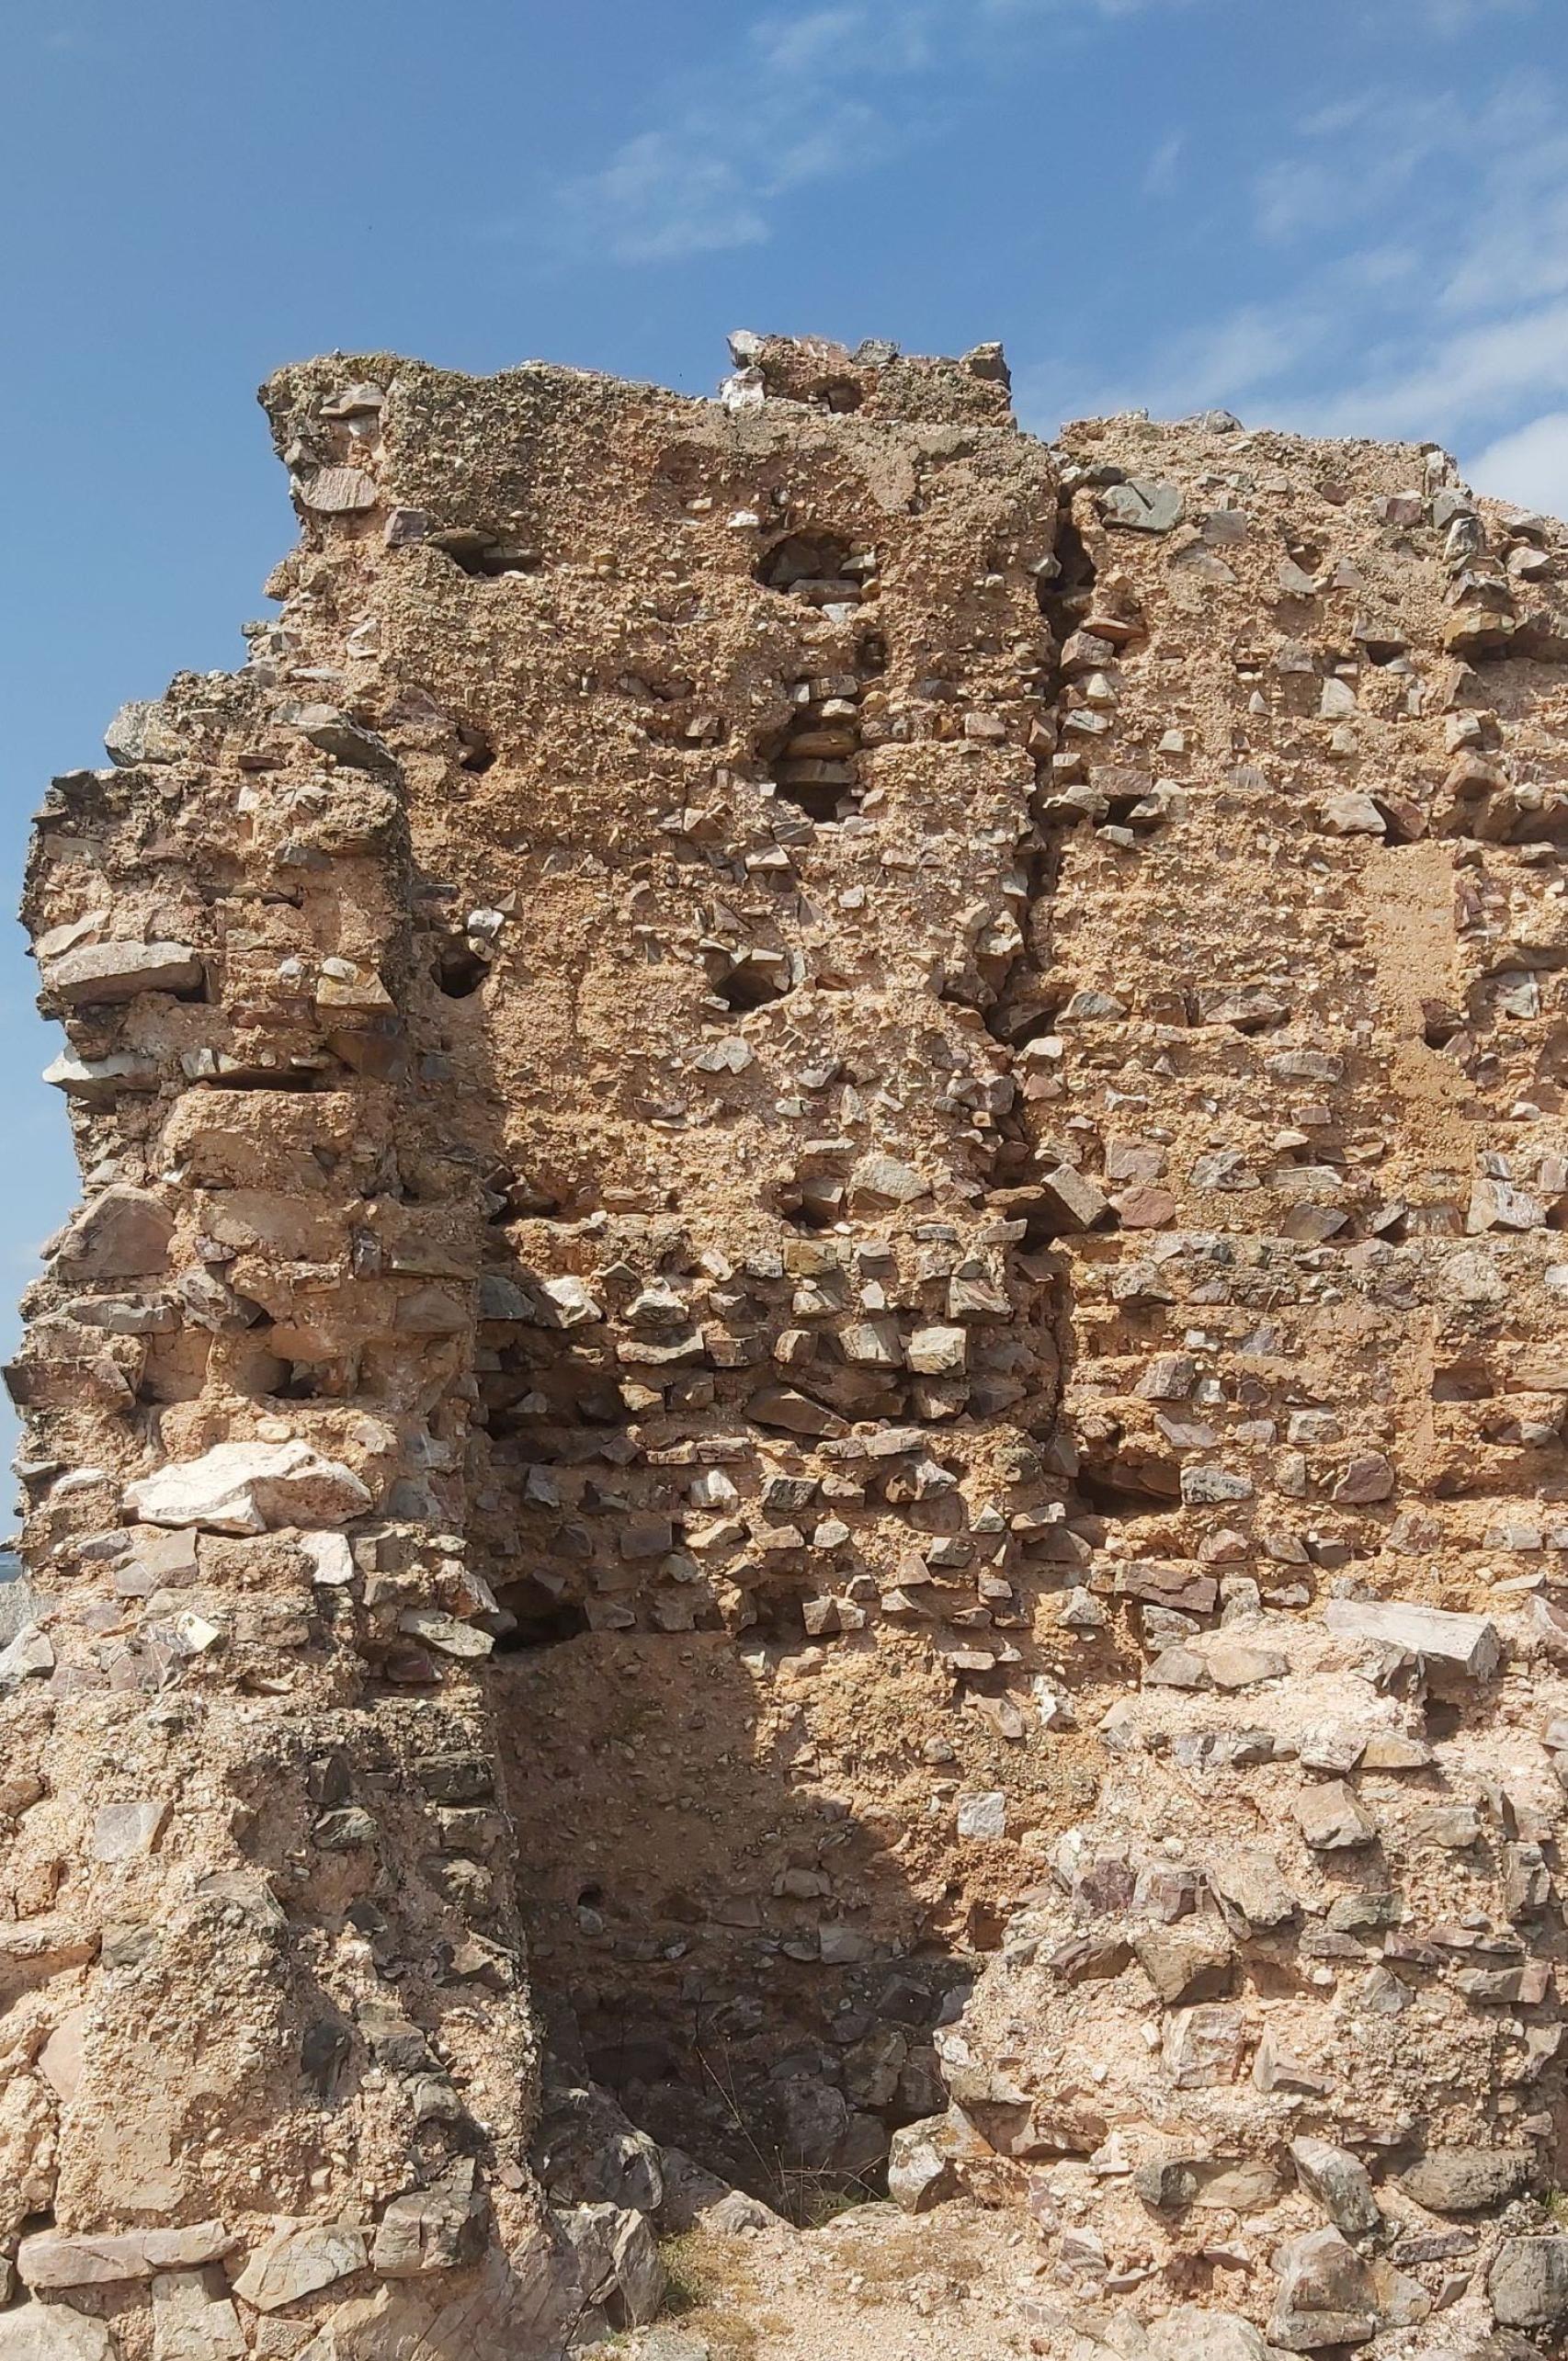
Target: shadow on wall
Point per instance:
(753, 1975)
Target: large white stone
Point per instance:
(250, 1487)
(1465, 1643)
(52, 2332)
(99, 1081)
(297, 2259)
(96, 973)
(189, 2324)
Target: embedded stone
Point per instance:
(338, 491)
(1528, 2282)
(1203, 1487)
(1332, 1820)
(1337, 2181)
(250, 1487)
(52, 2332)
(1194, 2333)
(1204, 2046)
(1142, 504)
(189, 2323)
(124, 1831)
(299, 2258)
(1367, 1478)
(124, 1233)
(60, 2259)
(1468, 2180)
(1249, 1879)
(1185, 1965)
(434, 2228)
(105, 972)
(1467, 1644)
(924, 2162)
(1325, 2296)
(143, 732)
(1074, 1200)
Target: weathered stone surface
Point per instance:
(1460, 1643)
(1337, 2181)
(821, 1250)
(1468, 2180)
(112, 971)
(52, 2332)
(1528, 2282)
(248, 1487)
(299, 2258)
(1333, 1819)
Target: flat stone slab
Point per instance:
(52, 2332)
(59, 2259)
(250, 1487)
(1463, 1643)
(297, 2260)
(109, 971)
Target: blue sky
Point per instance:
(1347, 218)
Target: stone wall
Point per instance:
(822, 1156)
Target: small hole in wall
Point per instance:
(1076, 571)
(811, 1204)
(1126, 1490)
(542, 1621)
(822, 569)
(752, 983)
(818, 801)
(285, 1078)
(485, 554)
(459, 970)
(478, 753)
(526, 1196)
(1439, 1026)
(842, 394)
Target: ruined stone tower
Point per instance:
(804, 1435)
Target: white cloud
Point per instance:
(1431, 298)
(1162, 171)
(660, 199)
(1454, 382)
(766, 118)
(794, 45)
(768, 115)
(1530, 466)
(1459, 15)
